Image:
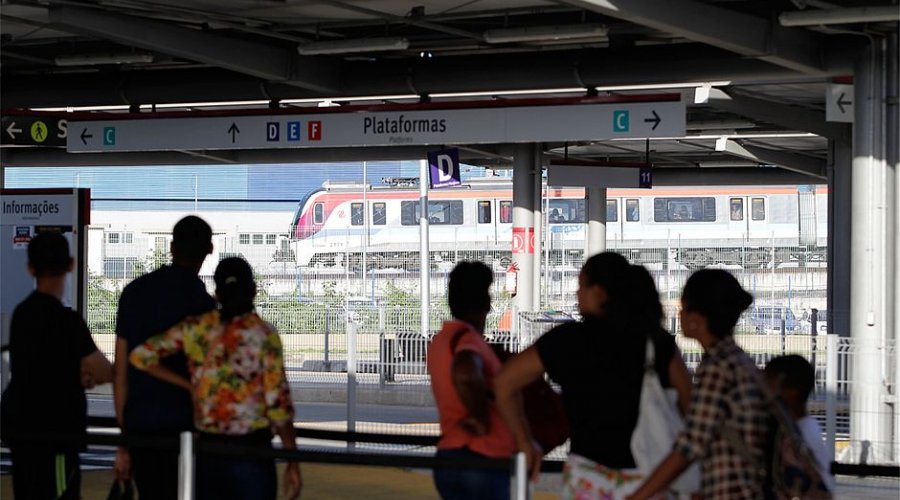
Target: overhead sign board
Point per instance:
(484, 125)
(839, 103)
(22, 130)
(599, 176)
(443, 168)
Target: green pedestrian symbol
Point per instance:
(39, 131)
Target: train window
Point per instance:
(758, 209)
(379, 214)
(684, 209)
(440, 213)
(318, 213)
(257, 239)
(566, 211)
(271, 239)
(632, 210)
(505, 212)
(737, 209)
(356, 214)
(484, 212)
(244, 239)
(612, 210)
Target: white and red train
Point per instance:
(748, 226)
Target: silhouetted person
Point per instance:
(462, 367)
(238, 384)
(599, 364)
(144, 405)
(52, 360)
(727, 404)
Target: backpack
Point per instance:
(790, 470)
(543, 407)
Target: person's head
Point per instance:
(191, 242)
(235, 287)
(641, 304)
(792, 379)
(599, 281)
(469, 292)
(711, 303)
(48, 256)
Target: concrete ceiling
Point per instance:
(187, 51)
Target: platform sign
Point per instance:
(21, 130)
(443, 167)
(839, 103)
(599, 176)
(385, 127)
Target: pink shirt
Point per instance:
(498, 442)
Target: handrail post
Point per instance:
(520, 478)
(186, 467)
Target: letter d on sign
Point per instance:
(445, 168)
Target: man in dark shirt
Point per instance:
(52, 359)
(146, 406)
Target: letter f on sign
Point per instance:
(445, 168)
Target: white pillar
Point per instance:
(870, 273)
(595, 199)
(893, 164)
(523, 225)
(424, 260)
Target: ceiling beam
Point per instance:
(744, 34)
(783, 115)
(788, 161)
(267, 62)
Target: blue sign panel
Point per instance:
(646, 178)
(293, 131)
(620, 121)
(444, 168)
(273, 131)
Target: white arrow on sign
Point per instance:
(12, 131)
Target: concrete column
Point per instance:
(538, 225)
(870, 274)
(892, 135)
(523, 225)
(595, 199)
(839, 185)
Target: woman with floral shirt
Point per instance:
(238, 384)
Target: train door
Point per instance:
(747, 219)
(613, 221)
(806, 198)
(631, 208)
(484, 221)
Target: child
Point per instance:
(791, 378)
(52, 359)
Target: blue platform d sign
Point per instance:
(444, 168)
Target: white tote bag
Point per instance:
(659, 423)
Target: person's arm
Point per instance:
(467, 372)
(293, 478)
(666, 472)
(95, 370)
(517, 373)
(680, 378)
(147, 356)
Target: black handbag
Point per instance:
(121, 491)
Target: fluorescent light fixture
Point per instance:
(316, 100)
(543, 33)
(490, 93)
(353, 46)
(662, 86)
(727, 164)
(97, 59)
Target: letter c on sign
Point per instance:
(445, 168)
(621, 124)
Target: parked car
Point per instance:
(769, 320)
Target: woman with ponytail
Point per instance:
(238, 384)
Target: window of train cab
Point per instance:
(632, 210)
(505, 212)
(758, 209)
(356, 214)
(379, 214)
(737, 209)
(484, 212)
(318, 213)
(612, 210)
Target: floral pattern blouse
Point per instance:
(237, 371)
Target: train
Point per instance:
(747, 226)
